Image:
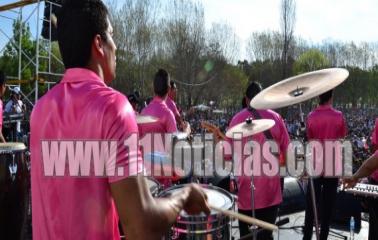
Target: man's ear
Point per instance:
(98, 46)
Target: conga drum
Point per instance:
(14, 190)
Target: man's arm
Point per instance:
(2, 139)
(144, 217)
(367, 168)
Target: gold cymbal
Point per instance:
(299, 88)
(250, 127)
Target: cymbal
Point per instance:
(250, 127)
(144, 119)
(299, 88)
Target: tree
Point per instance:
(288, 18)
(10, 59)
(310, 61)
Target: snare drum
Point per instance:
(14, 193)
(202, 227)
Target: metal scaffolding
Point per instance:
(43, 46)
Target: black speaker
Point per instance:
(294, 199)
(50, 6)
(346, 206)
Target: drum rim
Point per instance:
(211, 187)
(12, 146)
(156, 187)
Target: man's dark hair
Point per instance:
(79, 21)
(172, 84)
(253, 89)
(325, 97)
(3, 78)
(161, 83)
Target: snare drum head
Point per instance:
(216, 197)
(12, 146)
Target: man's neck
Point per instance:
(96, 68)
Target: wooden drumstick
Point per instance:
(246, 219)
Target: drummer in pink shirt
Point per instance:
(323, 123)
(268, 194)
(83, 108)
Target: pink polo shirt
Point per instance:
(172, 106)
(159, 109)
(326, 123)
(80, 107)
(267, 188)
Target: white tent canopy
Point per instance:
(202, 107)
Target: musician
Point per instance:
(2, 91)
(323, 123)
(372, 202)
(170, 101)
(158, 107)
(166, 120)
(15, 106)
(82, 107)
(267, 193)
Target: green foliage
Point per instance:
(310, 61)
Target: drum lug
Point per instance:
(27, 154)
(13, 170)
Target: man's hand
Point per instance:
(350, 182)
(196, 201)
(186, 127)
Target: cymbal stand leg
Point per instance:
(253, 228)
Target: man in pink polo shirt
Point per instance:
(2, 91)
(170, 101)
(267, 194)
(158, 108)
(373, 179)
(82, 108)
(323, 123)
(166, 120)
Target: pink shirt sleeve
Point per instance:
(171, 124)
(123, 129)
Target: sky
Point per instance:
(316, 20)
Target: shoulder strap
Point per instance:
(256, 114)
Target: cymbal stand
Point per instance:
(311, 182)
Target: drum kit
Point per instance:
(291, 91)
(14, 165)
